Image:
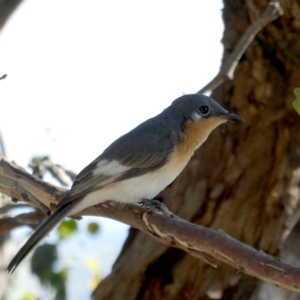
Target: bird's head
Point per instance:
(199, 115)
(196, 108)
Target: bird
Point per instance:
(139, 164)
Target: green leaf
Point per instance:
(66, 228)
(296, 103)
(42, 260)
(93, 227)
(29, 296)
(37, 160)
(63, 274)
(58, 282)
(92, 265)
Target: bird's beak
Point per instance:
(234, 117)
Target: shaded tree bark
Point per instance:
(244, 180)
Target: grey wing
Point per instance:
(141, 150)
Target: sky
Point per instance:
(82, 73)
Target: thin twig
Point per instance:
(2, 147)
(9, 207)
(32, 219)
(40, 165)
(272, 12)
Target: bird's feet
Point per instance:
(150, 204)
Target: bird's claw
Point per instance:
(155, 204)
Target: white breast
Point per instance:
(136, 188)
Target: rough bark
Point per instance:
(244, 180)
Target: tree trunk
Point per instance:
(243, 180)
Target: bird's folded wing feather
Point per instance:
(129, 156)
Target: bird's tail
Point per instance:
(40, 233)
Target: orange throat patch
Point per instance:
(196, 133)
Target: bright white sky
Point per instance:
(82, 73)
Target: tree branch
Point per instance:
(18, 184)
(40, 165)
(272, 12)
(31, 219)
(2, 148)
(9, 207)
(207, 244)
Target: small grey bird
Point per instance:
(139, 164)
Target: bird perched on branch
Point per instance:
(139, 164)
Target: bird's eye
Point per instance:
(204, 110)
